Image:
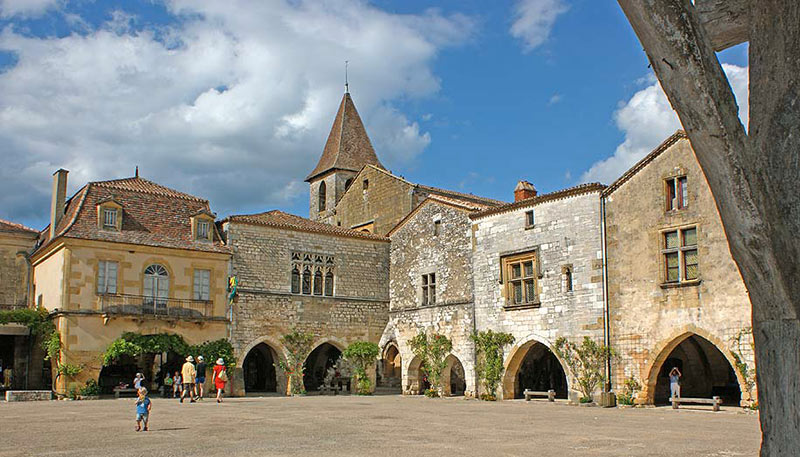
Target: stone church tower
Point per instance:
(347, 150)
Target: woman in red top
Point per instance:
(220, 377)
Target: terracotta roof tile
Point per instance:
(13, 227)
(152, 215)
(279, 219)
(348, 146)
(557, 195)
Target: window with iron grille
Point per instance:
(679, 250)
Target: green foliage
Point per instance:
(431, 393)
(135, 344)
(585, 399)
(433, 351)
(629, 389)
(91, 389)
(362, 355)
(69, 370)
(298, 345)
(737, 351)
(52, 345)
(490, 346)
(585, 361)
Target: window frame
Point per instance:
(198, 294)
(437, 227)
(428, 289)
(509, 281)
(530, 218)
(676, 188)
(680, 250)
(102, 272)
(322, 197)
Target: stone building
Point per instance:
(128, 255)
(16, 347)
(350, 188)
(295, 273)
(676, 297)
(431, 291)
(538, 274)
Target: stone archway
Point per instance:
(454, 381)
(316, 366)
(533, 365)
(707, 370)
(415, 382)
(276, 351)
(390, 367)
(258, 369)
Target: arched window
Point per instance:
(295, 281)
(348, 183)
(156, 288)
(318, 283)
(329, 284)
(307, 281)
(322, 195)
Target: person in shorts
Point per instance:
(200, 378)
(188, 374)
(143, 406)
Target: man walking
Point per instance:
(200, 381)
(188, 374)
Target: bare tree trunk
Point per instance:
(775, 153)
(754, 178)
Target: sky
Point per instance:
(233, 101)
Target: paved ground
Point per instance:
(384, 426)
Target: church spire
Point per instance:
(348, 146)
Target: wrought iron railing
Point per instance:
(151, 306)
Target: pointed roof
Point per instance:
(348, 146)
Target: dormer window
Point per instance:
(202, 226)
(202, 229)
(109, 216)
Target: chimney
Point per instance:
(524, 190)
(58, 198)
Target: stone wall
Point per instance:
(335, 183)
(415, 251)
(266, 309)
(566, 233)
(385, 202)
(14, 268)
(649, 317)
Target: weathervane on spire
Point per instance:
(346, 84)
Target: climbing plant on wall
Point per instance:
(432, 350)
(586, 362)
(298, 345)
(737, 350)
(489, 346)
(362, 356)
(135, 344)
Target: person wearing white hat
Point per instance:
(220, 377)
(188, 374)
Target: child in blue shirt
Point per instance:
(143, 406)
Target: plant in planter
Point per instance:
(490, 346)
(91, 389)
(362, 355)
(432, 350)
(586, 362)
(298, 345)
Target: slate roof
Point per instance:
(13, 227)
(152, 215)
(348, 146)
(557, 195)
(281, 220)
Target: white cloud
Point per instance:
(647, 119)
(534, 19)
(26, 8)
(235, 108)
(555, 98)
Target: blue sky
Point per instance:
(233, 100)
